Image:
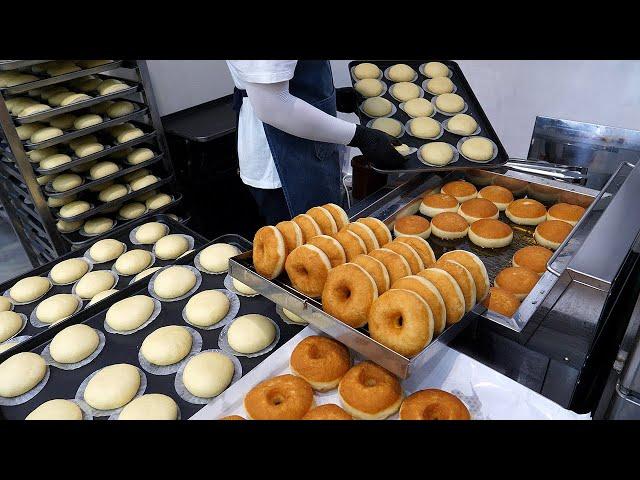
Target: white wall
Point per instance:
(512, 92)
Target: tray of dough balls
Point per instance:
(166, 347)
(430, 108)
(69, 284)
(41, 104)
(6, 65)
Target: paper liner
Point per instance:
(18, 339)
(234, 308)
(46, 354)
(493, 157)
(196, 272)
(190, 245)
(8, 295)
(105, 413)
(157, 308)
(33, 318)
(25, 397)
(89, 262)
(228, 283)
(196, 346)
(223, 343)
(285, 319)
(133, 233)
(115, 276)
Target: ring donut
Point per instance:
(351, 243)
(339, 215)
(464, 279)
(321, 361)
(324, 219)
(292, 234)
(410, 255)
(308, 226)
(232, 417)
(395, 263)
(269, 252)
(366, 234)
(422, 247)
(308, 267)
(376, 269)
(450, 291)
(476, 268)
(328, 411)
(433, 404)
(429, 294)
(402, 321)
(348, 294)
(380, 230)
(285, 397)
(331, 247)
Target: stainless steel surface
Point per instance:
(553, 172)
(629, 356)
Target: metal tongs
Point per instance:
(558, 171)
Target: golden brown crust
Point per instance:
(308, 226)
(471, 262)
(479, 208)
(292, 234)
(491, 228)
(331, 247)
(566, 211)
(496, 194)
(328, 411)
(338, 214)
(368, 390)
(412, 225)
(307, 267)
(324, 219)
(517, 280)
(459, 189)
(379, 229)
(450, 291)
(440, 200)
(376, 269)
(285, 397)
(527, 208)
(449, 222)
(433, 404)
(320, 360)
(365, 233)
(464, 279)
(533, 257)
(348, 294)
(430, 294)
(501, 301)
(422, 247)
(396, 265)
(409, 253)
(269, 252)
(351, 243)
(554, 230)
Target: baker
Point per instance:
(288, 134)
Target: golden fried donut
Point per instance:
(376, 269)
(285, 397)
(501, 301)
(379, 229)
(551, 233)
(450, 290)
(422, 248)
(499, 196)
(464, 279)
(401, 320)
(395, 263)
(232, 417)
(328, 411)
(429, 294)
(433, 404)
(412, 226)
(338, 214)
(410, 255)
(308, 267)
(436, 203)
(566, 212)
(476, 268)
(351, 243)
(461, 190)
(269, 252)
(324, 219)
(526, 211)
(449, 226)
(517, 280)
(292, 234)
(369, 392)
(490, 233)
(348, 294)
(308, 226)
(366, 234)
(321, 361)
(533, 257)
(331, 247)
(476, 209)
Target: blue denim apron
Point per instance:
(309, 171)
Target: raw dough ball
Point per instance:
(207, 308)
(130, 177)
(61, 68)
(74, 344)
(174, 282)
(68, 271)
(120, 109)
(436, 69)
(90, 85)
(369, 87)
(20, 373)
(133, 262)
(101, 296)
(132, 210)
(10, 324)
(87, 149)
(54, 161)
(151, 232)
(143, 182)
(425, 127)
(440, 85)
(86, 121)
(63, 122)
(33, 109)
(66, 227)
(112, 387)
(145, 273)
(73, 98)
(215, 258)
(112, 192)
(95, 282)
(98, 225)
(208, 374)
(46, 133)
(418, 107)
(57, 409)
(377, 107)
(388, 125)
(243, 288)
(130, 313)
(366, 70)
(167, 345)
(106, 250)
(25, 131)
(251, 333)
(436, 153)
(76, 142)
(140, 155)
(401, 73)
(111, 86)
(158, 200)
(152, 406)
(129, 135)
(171, 247)
(405, 91)
(118, 129)
(36, 156)
(56, 308)
(29, 289)
(403, 149)
(59, 202)
(66, 182)
(462, 124)
(5, 304)
(450, 102)
(74, 208)
(477, 148)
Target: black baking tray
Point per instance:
(124, 348)
(121, 234)
(474, 109)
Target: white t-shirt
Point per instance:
(257, 168)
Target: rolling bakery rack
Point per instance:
(26, 194)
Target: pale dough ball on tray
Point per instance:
(106, 250)
(56, 308)
(251, 333)
(69, 270)
(66, 181)
(66, 227)
(10, 324)
(5, 304)
(132, 210)
(215, 258)
(405, 91)
(54, 161)
(207, 308)
(140, 155)
(140, 183)
(98, 297)
(57, 409)
(45, 134)
(74, 208)
(20, 373)
(437, 153)
(477, 148)
(450, 103)
(130, 313)
(87, 149)
(74, 344)
(401, 72)
(94, 282)
(120, 109)
(369, 87)
(30, 288)
(440, 85)
(151, 232)
(366, 70)
(98, 225)
(377, 107)
(174, 282)
(243, 288)
(436, 69)
(462, 124)
(145, 273)
(103, 169)
(418, 107)
(425, 127)
(86, 121)
(157, 200)
(133, 262)
(152, 406)
(167, 345)
(208, 374)
(171, 247)
(112, 192)
(390, 126)
(112, 387)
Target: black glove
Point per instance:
(377, 147)
(346, 100)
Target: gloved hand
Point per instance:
(346, 100)
(377, 147)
